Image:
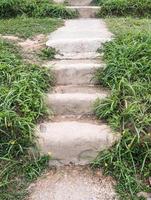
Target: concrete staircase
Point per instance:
(84, 8)
(74, 135)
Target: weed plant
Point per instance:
(139, 8)
(47, 53)
(128, 109)
(21, 106)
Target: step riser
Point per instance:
(70, 107)
(74, 142)
(86, 12)
(77, 56)
(61, 104)
(76, 46)
(75, 76)
(75, 3)
(90, 89)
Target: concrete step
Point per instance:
(75, 2)
(76, 45)
(91, 89)
(74, 142)
(75, 103)
(73, 183)
(77, 56)
(75, 72)
(85, 11)
(79, 36)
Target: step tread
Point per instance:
(79, 96)
(77, 103)
(77, 37)
(83, 7)
(77, 55)
(85, 11)
(77, 64)
(82, 28)
(74, 141)
(73, 2)
(70, 38)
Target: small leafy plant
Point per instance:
(47, 53)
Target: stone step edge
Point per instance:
(90, 6)
(86, 89)
(73, 2)
(85, 11)
(72, 62)
(72, 103)
(94, 138)
(92, 119)
(78, 56)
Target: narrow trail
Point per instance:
(74, 136)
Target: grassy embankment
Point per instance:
(135, 8)
(128, 109)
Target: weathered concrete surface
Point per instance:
(79, 36)
(85, 11)
(73, 183)
(76, 56)
(89, 89)
(75, 2)
(74, 142)
(75, 72)
(77, 103)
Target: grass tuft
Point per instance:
(47, 53)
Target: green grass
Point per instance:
(139, 8)
(28, 27)
(22, 87)
(34, 8)
(47, 53)
(128, 109)
(128, 24)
